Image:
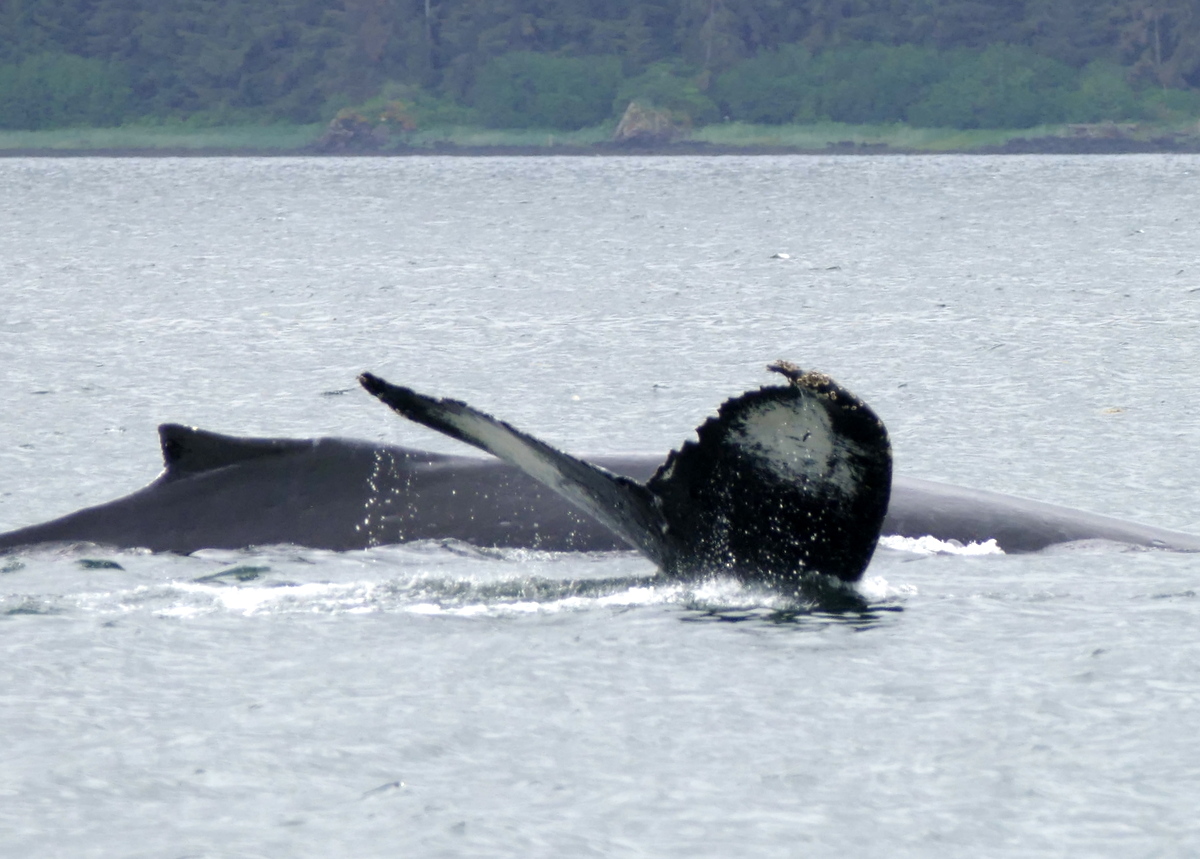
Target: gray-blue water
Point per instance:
(1024, 324)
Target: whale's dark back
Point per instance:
(226, 492)
(344, 494)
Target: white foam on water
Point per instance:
(192, 599)
(426, 580)
(933, 546)
(878, 589)
(417, 594)
(633, 596)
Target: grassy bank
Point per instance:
(285, 139)
(730, 137)
(166, 138)
(833, 135)
(516, 138)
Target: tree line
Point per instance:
(569, 63)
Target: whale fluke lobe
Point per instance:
(784, 481)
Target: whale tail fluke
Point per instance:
(785, 481)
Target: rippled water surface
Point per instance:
(1025, 324)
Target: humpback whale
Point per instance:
(227, 492)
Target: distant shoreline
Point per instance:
(720, 140)
(1031, 147)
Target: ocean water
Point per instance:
(1024, 324)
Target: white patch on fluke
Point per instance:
(795, 440)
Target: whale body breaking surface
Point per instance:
(226, 492)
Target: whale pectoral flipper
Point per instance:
(623, 505)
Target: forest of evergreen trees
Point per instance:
(572, 63)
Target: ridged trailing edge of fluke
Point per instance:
(785, 481)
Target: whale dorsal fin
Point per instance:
(188, 451)
(784, 481)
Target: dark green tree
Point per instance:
(57, 90)
(1003, 86)
(1160, 40)
(774, 87)
(1103, 93)
(671, 87)
(528, 90)
(301, 60)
